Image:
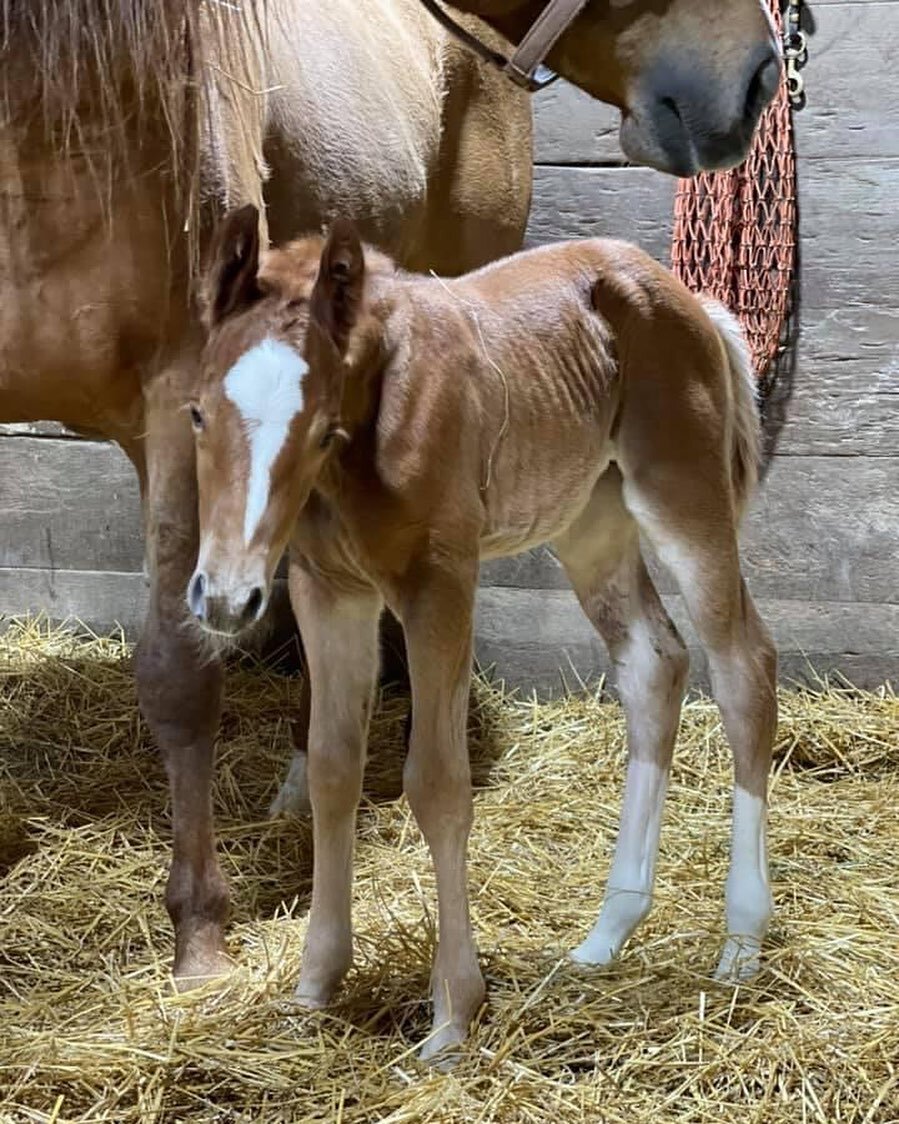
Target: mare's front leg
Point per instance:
(340, 636)
(179, 681)
(437, 618)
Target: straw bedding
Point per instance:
(90, 1031)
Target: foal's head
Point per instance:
(267, 413)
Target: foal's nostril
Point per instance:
(254, 604)
(196, 595)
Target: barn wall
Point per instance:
(822, 541)
(821, 544)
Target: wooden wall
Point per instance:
(822, 542)
(821, 545)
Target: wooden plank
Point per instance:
(844, 398)
(826, 528)
(102, 601)
(68, 504)
(849, 225)
(632, 203)
(848, 115)
(821, 528)
(105, 601)
(36, 429)
(845, 391)
(849, 222)
(540, 639)
(535, 639)
(570, 127)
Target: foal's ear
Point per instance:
(231, 280)
(338, 288)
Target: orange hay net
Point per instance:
(735, 232)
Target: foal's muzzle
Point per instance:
(227, 609)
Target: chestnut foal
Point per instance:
(394, 429)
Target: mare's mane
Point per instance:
(94, 79)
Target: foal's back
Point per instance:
(543, 355)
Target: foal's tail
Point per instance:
(746, 434)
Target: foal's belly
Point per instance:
(538, 507)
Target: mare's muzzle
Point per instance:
(681, 124)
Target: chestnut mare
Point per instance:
(393, 430)
(122, 138)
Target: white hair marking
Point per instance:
(266, 386)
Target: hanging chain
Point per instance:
(795, 53)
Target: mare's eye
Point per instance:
(327, 437)
(196, 418)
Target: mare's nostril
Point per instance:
(254, 604)
(763, 85)
(671, 105)
(196, 595)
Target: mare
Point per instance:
(126, 127)
(393, 430)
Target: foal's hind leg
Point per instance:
(690, 521)
(601, 554)
(292, 798)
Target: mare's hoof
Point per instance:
(200, 958)
(195, 969)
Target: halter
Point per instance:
(525, 68)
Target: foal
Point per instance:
(393, 430)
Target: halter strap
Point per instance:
(525, 68)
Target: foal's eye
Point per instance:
(327, 437)
(196, 418)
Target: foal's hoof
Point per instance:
(592, 953)
(312, 998)
(443, 1048)
(318, 984)
(582, 957)
(293, 795)
(740, 960)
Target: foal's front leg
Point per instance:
(340, 635)
(437, 779)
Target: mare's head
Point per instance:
(691, 77)
(267, 413)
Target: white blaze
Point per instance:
(266, 386)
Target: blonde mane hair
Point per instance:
(93, 79)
